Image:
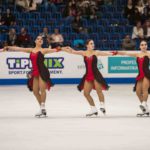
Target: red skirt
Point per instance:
(30, 82)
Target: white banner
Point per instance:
(15, 65)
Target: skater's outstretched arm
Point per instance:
(17, 49)
(49, 50)
(57, 49)
(127, 53)
(66, 49)
(101, 53)
(81, 52)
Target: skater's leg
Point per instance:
(36, 92)
(42, 85)
(145, 87)
(36, 89)
(142, 93)
(98, 88)
(100, 94)
(139, 90)
(87, 90)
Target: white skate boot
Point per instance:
(41, 114)
(102, 108)
(145, 111)
(93, 112)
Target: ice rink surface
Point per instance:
(66, 127)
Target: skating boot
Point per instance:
(93, 112)
(41, 114)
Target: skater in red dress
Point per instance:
(92, 79)
(142, 85)
(39, 78)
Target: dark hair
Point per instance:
(143, 41)
(38, 36)
(87, 42)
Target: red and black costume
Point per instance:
(92, 73)
(39, 69)
(143, 67)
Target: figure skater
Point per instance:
(142, 85)
(92, 79)
(39, 78)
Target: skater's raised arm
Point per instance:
(101, 53)
(17, 49)
(143, 51)
(67, 49)
(57, 49)
(81, 52)
(49, 50)
(127, 53)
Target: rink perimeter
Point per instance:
(66, 127)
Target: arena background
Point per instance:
(67, 127)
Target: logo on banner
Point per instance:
(99, 65)
(122, 65)
(18, 63)
(23, 65)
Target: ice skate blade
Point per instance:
(41, 116)
(143, 115)
(92, 114)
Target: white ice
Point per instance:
(66, 127)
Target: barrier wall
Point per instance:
(66, 68)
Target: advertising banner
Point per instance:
(16, 65)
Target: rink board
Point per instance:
(66, 68)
